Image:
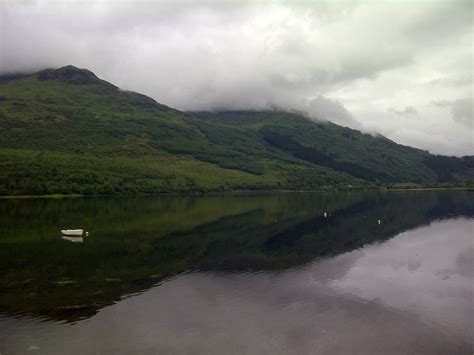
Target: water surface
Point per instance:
(239, 274)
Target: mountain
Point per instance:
(66, 131)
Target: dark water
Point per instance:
(239, 274)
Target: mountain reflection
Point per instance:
(136, 242)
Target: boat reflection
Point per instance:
(73, 239)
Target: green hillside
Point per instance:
(374, 159)
(66, 131)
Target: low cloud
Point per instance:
(407, 111)
(361, 58)
(462, 110)
(325, 109)
(454, 81)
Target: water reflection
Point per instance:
(139, 241)
(385, 298)
(433, 267)
(273, 269)
(72, 239)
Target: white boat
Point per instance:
(73, 239)
(76, 232)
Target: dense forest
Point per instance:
(66, 131)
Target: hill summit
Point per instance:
(70, 74)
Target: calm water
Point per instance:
(239, 274)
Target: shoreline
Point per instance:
(236, 192)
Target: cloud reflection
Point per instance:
(428, 272)
(410, 294)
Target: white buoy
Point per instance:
(325, 214)
(379, 221)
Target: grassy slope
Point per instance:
(59, 136)
(66, 131)
(376, 159)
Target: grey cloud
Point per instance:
(257, 55)
(454, 81)
(442, 103)
(461, 110)
(450, 17)
(324, 109)
(407, 111)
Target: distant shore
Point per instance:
(240, 192)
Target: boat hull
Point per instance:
(74, 232)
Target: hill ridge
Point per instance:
(67, 131)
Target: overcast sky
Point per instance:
(400, 68)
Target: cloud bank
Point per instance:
(377, 66)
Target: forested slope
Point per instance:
(66, 131)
